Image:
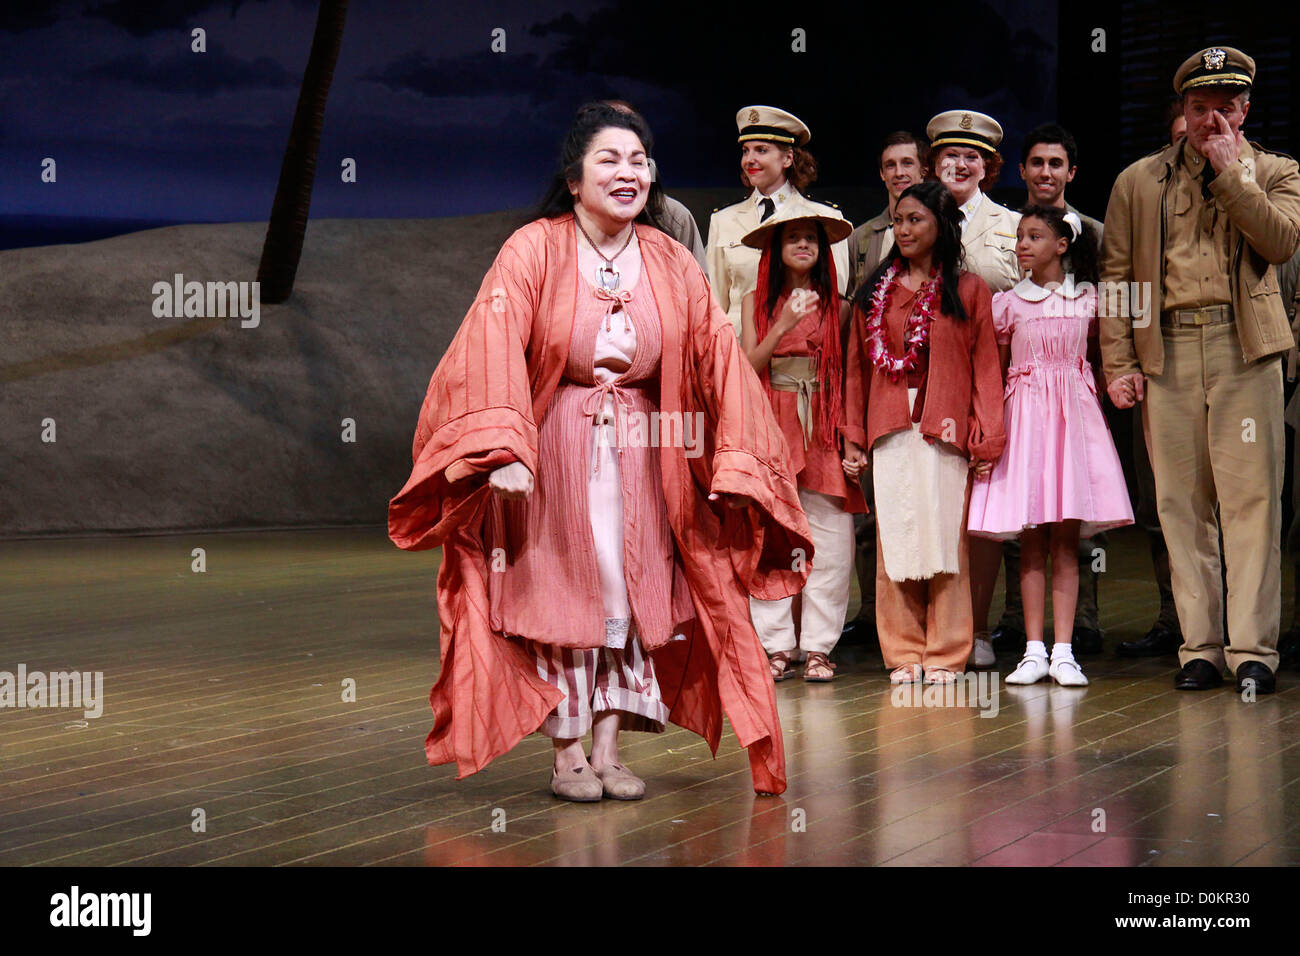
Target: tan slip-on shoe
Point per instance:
(581, 785)
(621, 783)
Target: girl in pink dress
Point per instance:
(1060, 476)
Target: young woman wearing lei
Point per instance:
(923, 410)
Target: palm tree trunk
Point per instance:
(284, 233)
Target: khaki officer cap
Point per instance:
(964, 128)
(798, 209)
(1215, 66)
(772, 124)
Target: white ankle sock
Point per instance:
(1035, 649)
(1062, 652)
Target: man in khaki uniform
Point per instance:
(772, 162)
(902, 163)
(1199, 225)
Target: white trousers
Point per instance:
(825, 596)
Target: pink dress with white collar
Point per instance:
(1060, 461)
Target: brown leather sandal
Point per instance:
(818, 668)
(782, 665)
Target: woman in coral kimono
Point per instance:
(608, 485)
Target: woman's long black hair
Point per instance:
(948, 254)
(1082, 251)
(590, 119)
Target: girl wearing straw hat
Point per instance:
(790, 331)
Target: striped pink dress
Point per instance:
(589, 556)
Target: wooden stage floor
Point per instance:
(222, 705)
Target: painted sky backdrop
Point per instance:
(142, 128)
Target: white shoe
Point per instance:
(1030, 670)
(981, 655)
(1068, 673)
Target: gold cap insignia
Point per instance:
(753, 116)
(966, 121)
(1213, 59)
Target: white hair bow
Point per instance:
(1075, 223)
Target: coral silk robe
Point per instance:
(481, 411)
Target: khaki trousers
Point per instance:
(927, 622)
(1213, 426)
(825, 596)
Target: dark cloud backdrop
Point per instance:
(143, 129)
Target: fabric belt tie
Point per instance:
(796, 373)
(594, 405)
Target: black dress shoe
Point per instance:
(860, 630)
(1086, 640)
(1258, 674)
(1008, 639)
(1158, 642)
(1198, 674)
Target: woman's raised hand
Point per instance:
(797, 304)
(513, 481)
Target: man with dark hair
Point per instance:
(1049, 160)
(1199, 227)
(902, 163)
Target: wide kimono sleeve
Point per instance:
(857, 382)
(770, 543)
(477, 415)
(478, 410)
(987, 435)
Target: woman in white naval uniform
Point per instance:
(964, 157)
(777, 168)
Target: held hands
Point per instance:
(1223, 146)
(1127, 390)
(855, 460)
(513, 481)
(982, 469)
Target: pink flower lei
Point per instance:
(916, 336)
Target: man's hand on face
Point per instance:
(1223, 146)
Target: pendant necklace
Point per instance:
(607, 274)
